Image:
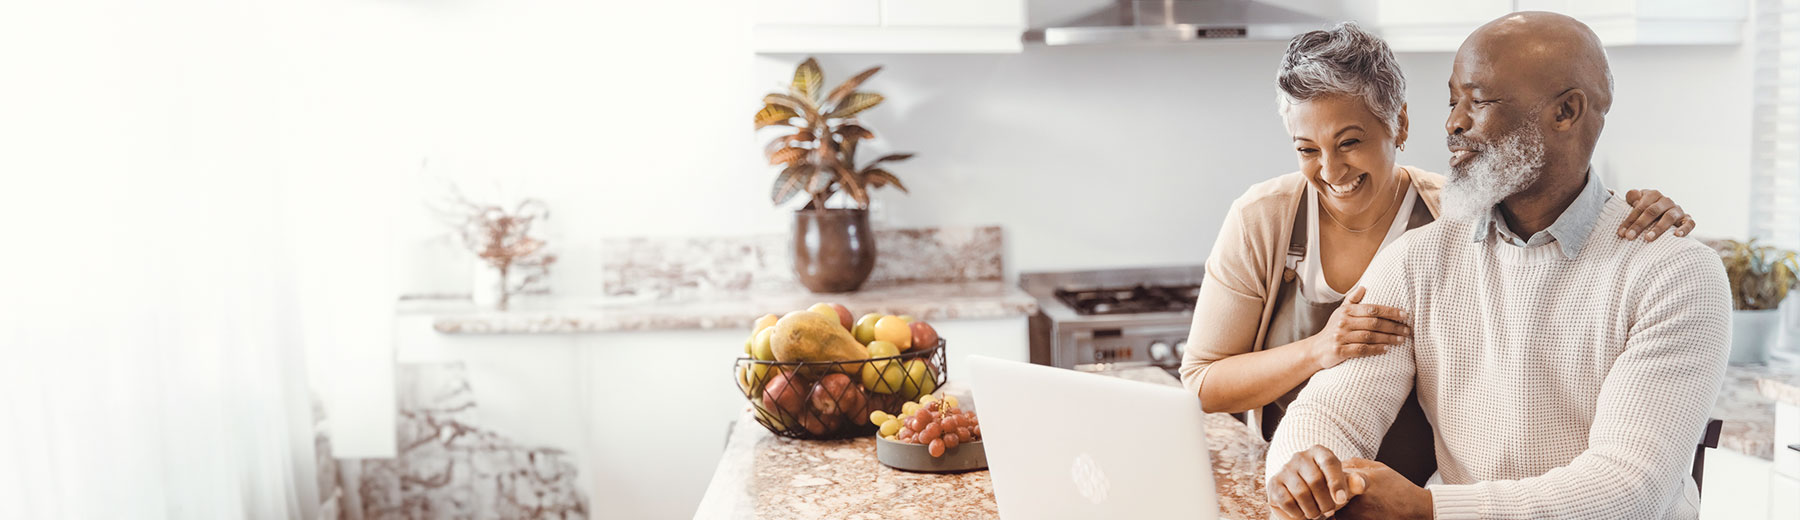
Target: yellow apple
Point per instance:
(894, 330)
(865, 327)
(882, 377)
(762, 348)
(918, 381)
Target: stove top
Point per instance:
(1138, 298)
(1138, 316)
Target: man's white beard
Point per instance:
(1497, 172)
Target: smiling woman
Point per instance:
(1278, 303)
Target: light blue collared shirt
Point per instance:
(1570, 230)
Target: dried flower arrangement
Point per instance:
(502, 239)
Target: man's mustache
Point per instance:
(1457, 141)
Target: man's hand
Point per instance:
(1385, 494)
(1311, 485)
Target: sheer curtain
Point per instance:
(150, 359)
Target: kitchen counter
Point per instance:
(765, 476)
(927, 301)
(1747, 406)
(1782, 385)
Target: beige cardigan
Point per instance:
(1244, 270)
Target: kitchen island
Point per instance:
(762, 475)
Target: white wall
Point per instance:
(1089, 157)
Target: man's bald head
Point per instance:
(1559, 49)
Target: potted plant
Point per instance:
(834, 248)
(1760, 278)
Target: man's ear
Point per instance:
(1570, 108)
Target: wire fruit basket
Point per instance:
(832, 400)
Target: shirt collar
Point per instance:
(1570, 230)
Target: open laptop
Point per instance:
(1067, 444)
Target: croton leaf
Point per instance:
(849, 150)
(878, 177)
(787, 155)
(807, 78)
(857, 131)
(772, 114)
(785, 141)
(805, 107)
(892, 157)
(855, 104)
(849, 86)
(852, 182)
(820, 182)
(790, 182)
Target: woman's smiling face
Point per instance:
(1345, 151)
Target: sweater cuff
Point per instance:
(1455, 502)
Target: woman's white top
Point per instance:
(1312, 269)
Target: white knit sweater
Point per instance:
(1558, 388)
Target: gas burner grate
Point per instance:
(1130, 300)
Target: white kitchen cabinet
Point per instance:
(1784, 497)
(889, 26)
(819, 12)
(1736, 486)
(1436, 26)
(1787, 432)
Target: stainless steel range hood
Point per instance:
(1178, 21)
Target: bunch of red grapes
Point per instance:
(939, 426)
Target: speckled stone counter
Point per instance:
(1780, 384)
(927, 301)
(1747, 406)
(765, 476)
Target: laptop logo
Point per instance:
(1089, 480)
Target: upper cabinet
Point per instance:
(1435, 25)
(889, 26)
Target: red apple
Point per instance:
(782, 397)
(844, 316)
(836, 396)
(923, 336)
(817, 424)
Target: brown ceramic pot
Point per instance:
(834, 249)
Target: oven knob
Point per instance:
(1181, 348)
(1160, 352)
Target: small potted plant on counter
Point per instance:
(834, 248)
(1760, 278)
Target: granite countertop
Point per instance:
(1780, 384)
(927, 301)
(765, 476)
(1747, 406)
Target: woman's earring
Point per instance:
(1402, 147)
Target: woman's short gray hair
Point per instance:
(1344, 60)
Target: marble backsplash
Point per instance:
(690, 267)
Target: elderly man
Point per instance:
(1566, 372)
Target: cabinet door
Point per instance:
(1784, 497)
(952, 13)
(1736, 486)
(818, 12)
(1432, 12)
(1787, 433)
